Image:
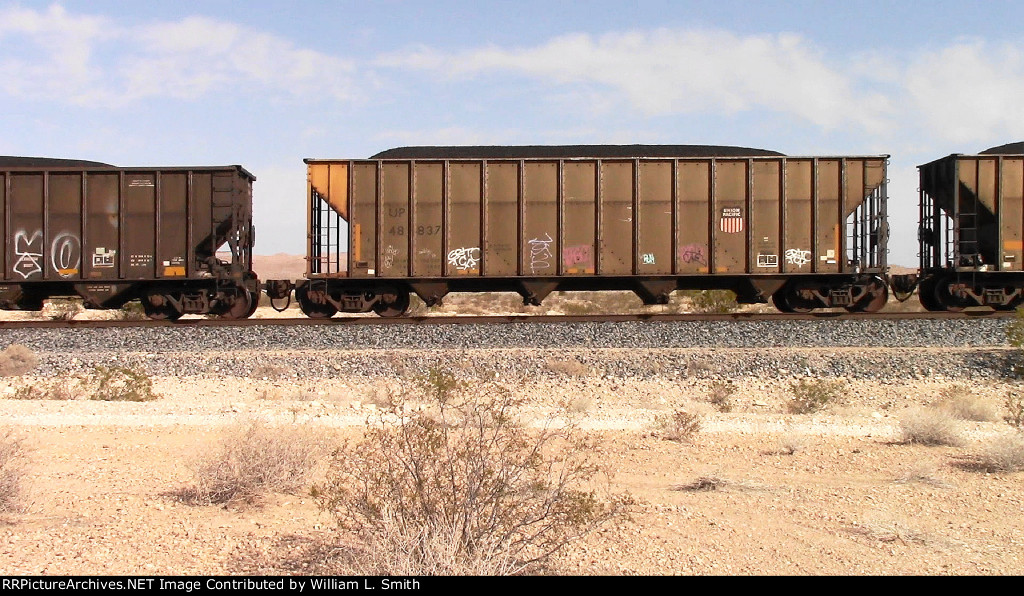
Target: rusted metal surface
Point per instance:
(612, 217)
(971, 230)
(540, 219)
(104, 233)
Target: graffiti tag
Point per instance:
(693, 253)
(648, 258)
(30, 257)
(66, 254)
(464, 259)
(795, 256)
(389, 256)
(540, 253)
(582, 254)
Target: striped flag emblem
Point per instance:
(732, 220)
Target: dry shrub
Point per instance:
(930, 426)
(1015, 409)
(1003, 454)
(569, 367)
(268, 371)
(131, 311)
(791, 442)
(922, 473)
(961, 403)
(120, 383)
(885, 527)
(463, 488)
(12, 470)
(16, 360)
(253, 459)
(712, 301)
(813, 395)
(680, 426)
(58, 389)
(580, 405)
(103, 383)
(721, 394)
(702, 484)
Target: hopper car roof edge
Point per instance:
(109, 169)
(971, 155)
(312, 160)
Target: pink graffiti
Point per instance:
(582, 254)
(693, 253)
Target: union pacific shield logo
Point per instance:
(732, 220)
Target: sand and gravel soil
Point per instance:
(756, 490)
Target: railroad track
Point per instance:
(493, 319)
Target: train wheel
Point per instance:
(313, 310)
(946, 298)
(787, 299)
(254, 303)
(877, 296)
(396, 308)
(926, 294)
(29, 303)
(779, 300)
(159, 307)
(242, 307)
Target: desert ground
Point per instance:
(756, 490)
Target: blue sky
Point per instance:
(265, 84)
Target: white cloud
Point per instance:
(92, 60)
(968, 92)
(60, 55)
(671, 71)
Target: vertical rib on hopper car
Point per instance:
(111, 235)
(807, 232)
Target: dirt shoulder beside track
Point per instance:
(104, 478)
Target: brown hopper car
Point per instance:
(805, 232)
(111, 235)
(972, 230)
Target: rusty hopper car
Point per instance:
(972, 230)
(806, 232)
(111, 235)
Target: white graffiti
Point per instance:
(540, 253)
(795, 256)
(66, 254)
(389, 256)
(648, 258)
(464, 259)
(30, 257)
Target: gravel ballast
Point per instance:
(956, 348)
(687, 334)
